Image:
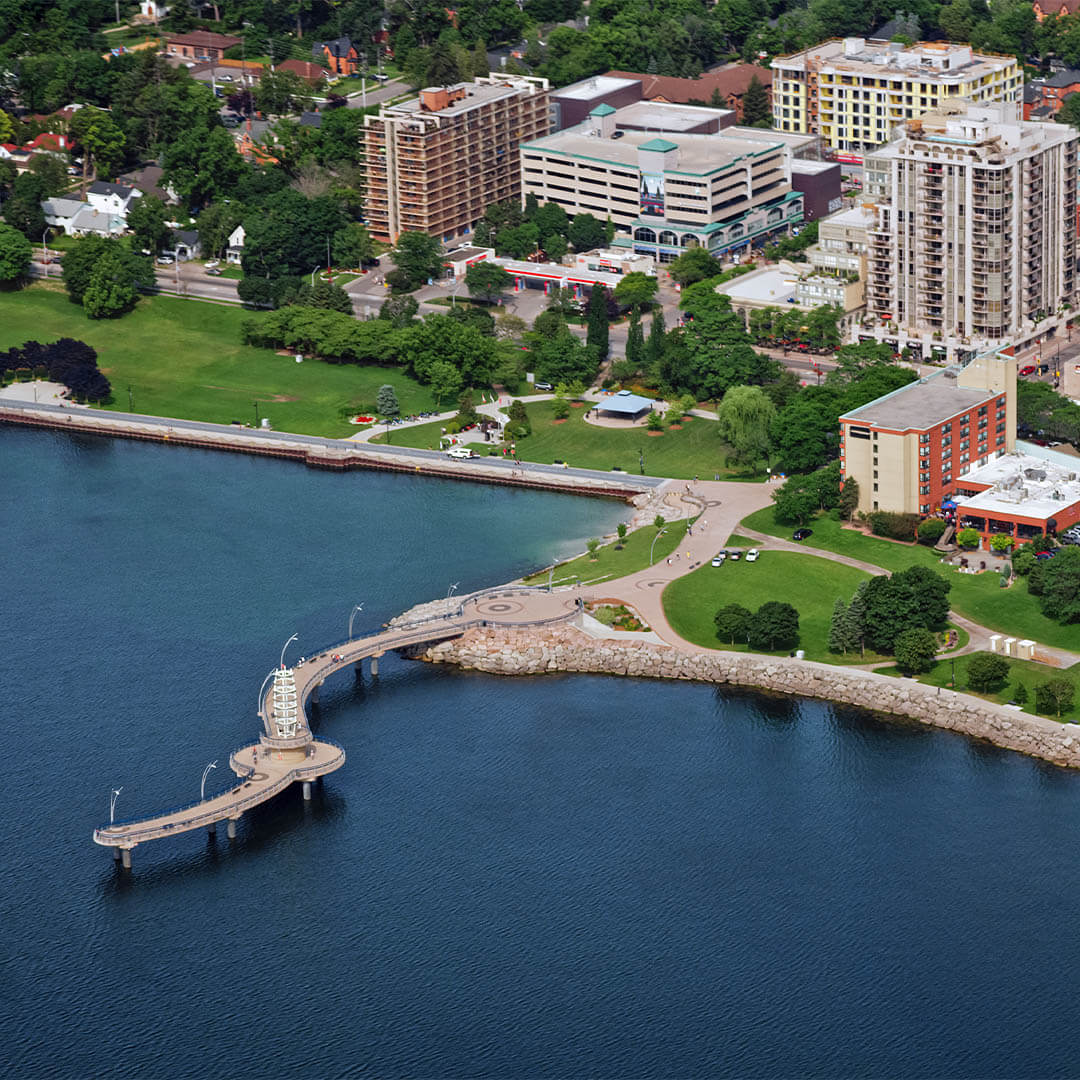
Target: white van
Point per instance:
(460, 452)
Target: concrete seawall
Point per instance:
(323, 453)
(568, 649)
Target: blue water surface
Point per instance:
(550, 877)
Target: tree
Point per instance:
(693, 265)
(775, 625)
(795, 503)
(562, 357)
(1020, 694)
(399, 310)
(74, 363)
(916, 597)
(279, 92)
(732, 623)
(203, 167)
(636, 290)
(560, 407)
(113, 287)
(856, 616)
(987, 672)
(657, 341)
(519, 425)
(659, 522)
(419, 257)
(444, 380)
(841, 637)
(1069, 113)
(386, 402)
(441, 338)
(52, 173)
(621, 530)
(326, 294)
(931, 531)
(353, 246)
(597, 335)
(102, 142)
(585, 232)
(146, 219)
(968, 538)
(487, 281)
(849, 497)
(594, 546)
(756, 111)
(15, 254)
(1056, 582)
(915, 650)
(216, 224)
(635, 343)
(1055, 696)
(746, 415)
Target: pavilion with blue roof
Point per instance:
(625, 405)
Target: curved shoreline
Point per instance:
(568, 649)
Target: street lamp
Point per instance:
(131, 406)
(453, 589)
(352, 615)
(205, 773)
(45, 252)
(313, 273)
(256, 404)
(653, 544)
(281, 662)
(641, 460)
(112, 803)
(954, 672)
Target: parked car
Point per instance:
(211, 263)
(735, 556)
(546, 386)
(460, 452)
(802, 534)
(165, 260)
(1044, 369)
(1027, 369)
(719, 557)
(213, 271)
(753, 555)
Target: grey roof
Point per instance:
(190, 237)
(920, 405)
(90, 220)
(338, 47)
(100, 187)
(61, 208)
(1062, 78)
(624, 402)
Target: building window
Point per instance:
(875, 488)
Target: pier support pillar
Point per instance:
(125, 855)
(314, 696)
(374, 665)
(116, 854)
(211, 829)
(231, 829)
(307, 790)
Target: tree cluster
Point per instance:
(105, 276)
(775, 625)
(67, 361)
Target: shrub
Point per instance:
(1023, 561)
(1000, 544)
(594, 546)
(987, 672)
(915, 650)
(968, 538)
(655, 422)
(560, 407)
(931, 531)
(1020, 693)
(893, 526)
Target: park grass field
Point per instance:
(611, 563)
(1028, 672)
(695, 450)
(185, 358)
(809, 583)
(979, 597)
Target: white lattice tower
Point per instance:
(286, 715)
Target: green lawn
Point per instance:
(185, 359)
(979, 597)
(810, 584)
(611, 563)
(696, 450)
(1027, 672)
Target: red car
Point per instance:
(1028, 370)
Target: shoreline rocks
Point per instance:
(525, 651)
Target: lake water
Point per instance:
(554, 877)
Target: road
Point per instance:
(378, 93)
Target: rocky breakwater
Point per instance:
(565, 648)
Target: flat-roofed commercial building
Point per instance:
(909, 449)
(722, 191)
(434, 164)
(975, 239)
(854, 92)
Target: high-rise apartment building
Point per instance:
(434, 164)
(975, 239)
(854, 92)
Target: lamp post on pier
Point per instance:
(113, 795)
(352, 615)
(453, 589)
(202, 785)
(281, 662)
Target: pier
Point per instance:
(287, 751)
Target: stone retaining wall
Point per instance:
(566, 649)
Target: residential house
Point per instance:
(340, 55)
(200, 45)
(730, 83)
(310, 72)
(1049, 94)
(1053, 8)
(81, 218)
(235, 250)
(112, 198)
(148, 181)
(186, 244)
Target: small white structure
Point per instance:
(236, 245)
(995, 643)
(1025, 649)
(112, 199)
(285, 708)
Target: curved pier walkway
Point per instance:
(287, 751)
